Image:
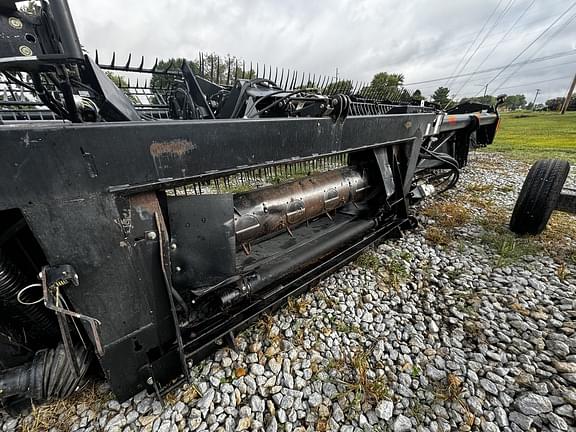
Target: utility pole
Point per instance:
(568, 96)
(534, 102)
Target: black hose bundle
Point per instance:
(451, 178)
(49, 375)
(17, 304)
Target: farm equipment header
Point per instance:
(145, 221)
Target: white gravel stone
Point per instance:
(384, 409)
(533, 404)
(499, 330)
(402, 424)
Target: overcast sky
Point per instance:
(423, 39)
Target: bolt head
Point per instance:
(150, 381)
(151, 235)
(173, 246)
(26, 51)
(15, 23)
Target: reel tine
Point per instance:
(276, 76)
(169, 65)
(96, 59)
(229, 66)
(141, 64)
(112, 63)
(128, 61)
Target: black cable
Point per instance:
(496, 46)
(180, 301)
(443, 157)
(247, 85)
(550, 36)
(276, 102)
(532, 43)
(488, 32)
(457, 68)
(47, 98)
(537, 60)
(19, 82)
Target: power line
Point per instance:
(493, 69)
(554, 66)
(558, 30)
(457, 69)
(497, 45)
(536, 82)
(494, 24)
(532, 43)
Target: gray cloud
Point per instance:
(423, 39)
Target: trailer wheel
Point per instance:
(539, 196)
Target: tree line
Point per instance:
(226, 71)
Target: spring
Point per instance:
(34, 318)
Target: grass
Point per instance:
(361, 387)
(391, 272)
(447, 215)
(530, 136)
(451, 391)
(510, 247)
(61, 414)
(368, 260)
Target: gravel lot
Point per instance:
(457, 326)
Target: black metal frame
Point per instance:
(94, 197)
(567, 201)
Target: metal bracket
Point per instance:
(53, 278)
(166, 270)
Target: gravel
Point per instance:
(442, 337)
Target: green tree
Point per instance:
(382, 80)
(384, 85)
(417, 96)
(220, 70)
(122, 83)
(485, 100)
(441, 96)
(163, 81)
(515, 102)
(341, 87)
(555, 104)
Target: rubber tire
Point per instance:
(539, 196)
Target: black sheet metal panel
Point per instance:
(121, 282)
(567, 201)
(66, 200)
(43, 163)
(202, 244)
